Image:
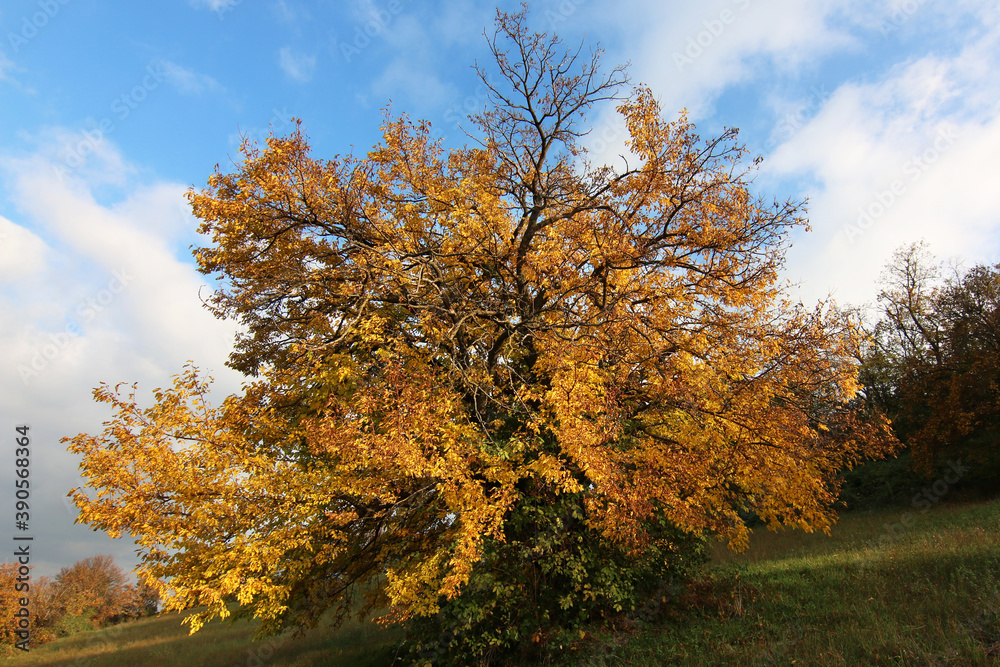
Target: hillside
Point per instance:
(875, 592)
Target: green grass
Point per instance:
(930, 595)
(163, 642)
(927, 595)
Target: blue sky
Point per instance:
(885, 114)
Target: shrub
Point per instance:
(535, 592)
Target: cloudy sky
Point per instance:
(883, 113)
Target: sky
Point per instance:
(883, 114)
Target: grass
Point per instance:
(163, 642)
(877, 591)
(885, 588)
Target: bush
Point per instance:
(534, 593)
(71, 624)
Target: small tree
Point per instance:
(45, 610)
(141, 600)
(485, 375)
(94, 589)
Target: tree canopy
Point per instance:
(934, 362)
(442, 343)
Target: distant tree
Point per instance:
(141, 600)
(9, 606)
(94, 589)
(905, 339)
(42, 614)
(934, 362)
(91, 593)
(496, 388)
(45, 610)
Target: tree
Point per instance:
(934, 365)
(94, 589)
(141, 600)
(486, 371)
(11, 595)
(39, 614)
(905, 338)
(91, 593)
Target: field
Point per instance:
(900, 587)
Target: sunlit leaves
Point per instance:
(446, 337)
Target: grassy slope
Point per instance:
(930, 595)
(164, 642)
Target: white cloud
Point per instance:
(188, 82)
(284, 12)
(411, 78)
(420, 86)
(136, 237)
(102, 292)
(6, 65)
(368, 10)
(843, 148)
(88, 155)
(22, 253)
(216, 5)
(689, 53)
(457, 22)
(298, 66)
(895, 160)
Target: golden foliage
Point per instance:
(435, 332)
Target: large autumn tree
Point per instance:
(495, 368)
